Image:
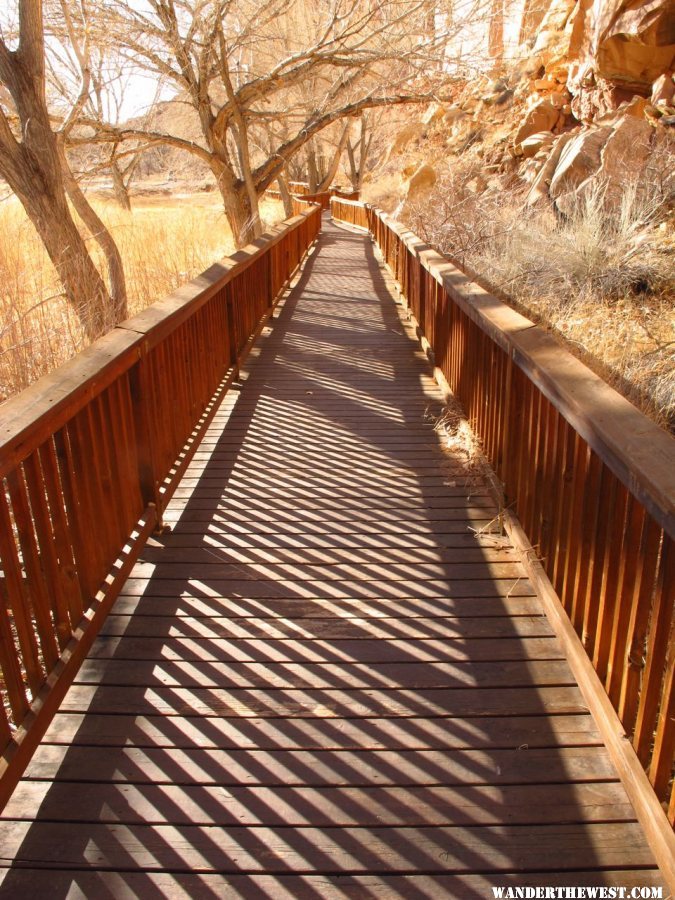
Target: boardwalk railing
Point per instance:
(323, 198)
(591, 479)
(89, 457)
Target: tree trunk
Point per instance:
(82, 282)
(285, 196)
(335, 162)
(353, 169)
(312, 173)
(255, 226)
(236, 204)
(120, 190)
(33, 170)
(364, 150)
(118, 289)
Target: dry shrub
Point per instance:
(163, 242)
(602, 277)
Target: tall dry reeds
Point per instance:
(163, 241)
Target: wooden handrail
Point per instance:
(323, 198)
(350, 211)
(89, 456)
(591, 479)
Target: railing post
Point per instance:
(142, 403)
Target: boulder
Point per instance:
(534, 143)
(406, 136)
(549, 30)
(454, 114)
(602, 159)
(529, 170)
(617, 46)
(558, 99)
(417, 189)
(663, 90)
(540, 185)
(433, 113)
(625, 153)
(543, 116)
(578, 161)
(421, 181)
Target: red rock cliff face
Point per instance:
(575, 97)
(617, 48)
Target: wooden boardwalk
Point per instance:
(321, 682)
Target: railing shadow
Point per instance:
(322, 683)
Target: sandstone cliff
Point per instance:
(571, 95)
(552, 172)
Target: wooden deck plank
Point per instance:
(350, 676)
(322, 767)
(327, 628)
(134, 804)
(330, 677)
(70, 730)
(245, 608)
(372, 651)
(190, 848)
(290, 703)
(447, 575)
(329, 557)
(125, 885)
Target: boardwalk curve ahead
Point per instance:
(321, 682)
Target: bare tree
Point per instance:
(31, 161)
(357, 152)
(81, 56)
(244, 67)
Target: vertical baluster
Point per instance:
(101, 432)
(552, 500)
(127, 458)
(585, 559)
(63, 532)
(660, 631)
(661, 768)
(615, 549)
(512, 419)
(582, 459)
(47, 554)
(148, 436)
(35, 586)
(9, 658)
(78, 527)
(80, 461)
(635, 521)
(523, 399)
(532, 457)
(562, 527)
(96, 471)
(5, 730)
(541, 496)
(639, 618)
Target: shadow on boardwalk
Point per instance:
(321, 683)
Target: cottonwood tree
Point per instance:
(84, 69)
(357, 152)
(78, 59)
(245, 66)
(32, 163)
(323, 157)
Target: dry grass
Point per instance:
(602, 278)
(164, 242)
